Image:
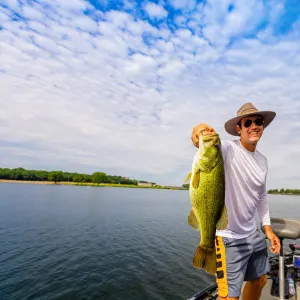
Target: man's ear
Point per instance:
(238, 129)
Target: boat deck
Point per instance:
(266, 295)
(211, 293)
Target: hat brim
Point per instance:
(230, 126)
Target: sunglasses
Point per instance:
(258, 122)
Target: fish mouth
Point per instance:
(207, 138)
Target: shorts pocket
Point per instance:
(227, 241)
(261, 234)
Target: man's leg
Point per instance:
(232, 258)
(257, 268)
(253, 288)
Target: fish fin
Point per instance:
(188, 178)
(192, 220)
(196, 180)
(223, 221)
(205, 259)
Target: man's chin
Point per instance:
(254, 139)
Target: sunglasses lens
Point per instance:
(248, 123)
(259, 122)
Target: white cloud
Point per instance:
(85, 24)
(183, 4)
(30, 13)
(180, 20)
(118, 18)
(220, 24)
(141, 65)
(14, 4)
(121, 95)
(3, 18)
(165, 46)
(172, 69)
(184, 33)
(155, 11)
(69, 5)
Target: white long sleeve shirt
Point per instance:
(245, 189)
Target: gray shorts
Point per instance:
(240, 260)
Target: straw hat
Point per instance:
(248, 109)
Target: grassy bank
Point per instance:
(91, 184)
(289, 194)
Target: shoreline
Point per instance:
(283, 194)
(90, 184)
(108, 185)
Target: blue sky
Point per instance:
(117, 86)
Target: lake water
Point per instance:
(70, 242)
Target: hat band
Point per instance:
(247, 111)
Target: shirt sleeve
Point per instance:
(263, 207)
(225, 146)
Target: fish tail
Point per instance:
(205, 258)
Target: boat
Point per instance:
(281, 266)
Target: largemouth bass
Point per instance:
(207, 194)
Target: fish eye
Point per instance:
(216, 146)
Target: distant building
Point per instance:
(126, 178)
(172, 187)
(144, 183)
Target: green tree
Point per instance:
(78, 178)
(17, 174)
(56, 176)
(86, 178)
(99, 177)
(5, 173)
(68, 176)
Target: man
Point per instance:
(241, 248)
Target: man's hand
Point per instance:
(205, 129)
(275, 243)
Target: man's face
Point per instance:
(250, 132)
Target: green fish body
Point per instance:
(207, 194)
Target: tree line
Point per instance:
(275, 191)
(58, 176)
(285, 191)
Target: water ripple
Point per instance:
(105, 244)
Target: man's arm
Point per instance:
(263, 208)
(275, 243)
(204, 128)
